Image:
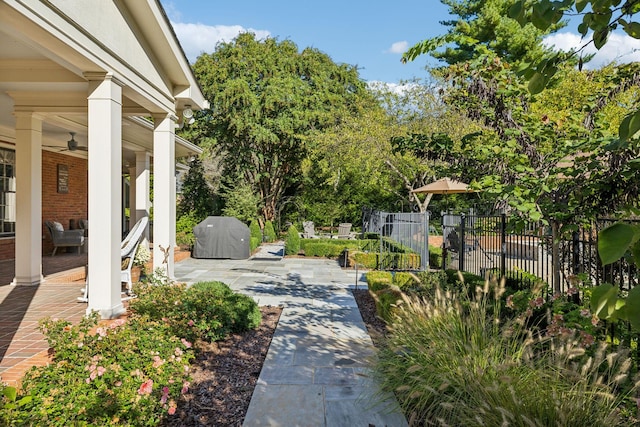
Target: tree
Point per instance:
(267, 98)
(599, 19)
(481, 26)
(196, 198)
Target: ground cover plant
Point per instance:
(455, 357)
(132, 371)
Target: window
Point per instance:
(7, 192)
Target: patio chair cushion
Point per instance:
(57, 226)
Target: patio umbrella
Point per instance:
(442, 186)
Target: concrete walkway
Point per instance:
(317, 369)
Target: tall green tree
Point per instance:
(599, 19)
(479, 26)
(196, 198)
(267, 98)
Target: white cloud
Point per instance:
(396, 88)
(198, 38)
(398, 47)
(620, 48)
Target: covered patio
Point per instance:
(114, 77)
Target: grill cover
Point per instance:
(221, 237)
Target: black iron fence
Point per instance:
(485, 244)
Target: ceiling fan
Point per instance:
(72, 145)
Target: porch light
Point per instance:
(187, 113)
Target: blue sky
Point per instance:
(368, 35)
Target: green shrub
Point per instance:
(215, 311)
(269, 232)
(404, 280)
(323, 249)
(254, 230)
(206, 310)
(450, 358)
(429, 281)
(184, 229)
(387, 299)
(435, 256)
(127, 373)
(254, 242)
(292, 241)
(366, 259)
(377, 280)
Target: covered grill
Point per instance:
(221, 237)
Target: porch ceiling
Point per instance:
(35, 82)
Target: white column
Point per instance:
(28, 239)
(142, 178)
(105, 195)
(164, 193)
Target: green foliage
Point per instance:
(404, 280)
(454, 358)
(196, 200)
(292, 241)
(11, 402)
(387, 299)
(435, 256)
(377, 280)
(241, 202)
(366, 259)
(269, 232)
(254, 242)
(127, 373)
(206, 310)
(267, 98)
(429, 282)
(328, 248)
(184, 229)
(216, 311)
(254, 229)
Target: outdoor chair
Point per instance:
(309, 230)
(128, 250)
(83, 224)
(344, 231)
(64, 238)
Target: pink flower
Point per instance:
(117, 383)
(178, 352)
(191, 323)
(595, 320)
(116, 323)
(186, 343)
(572, 291)
(157, 361)
(185, 387)
(165, 395)
(102, 332)
(146, 387)
(585, 312)
(172, 410)
(101, 370)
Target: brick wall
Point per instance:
(7, 248)
(62, 207)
